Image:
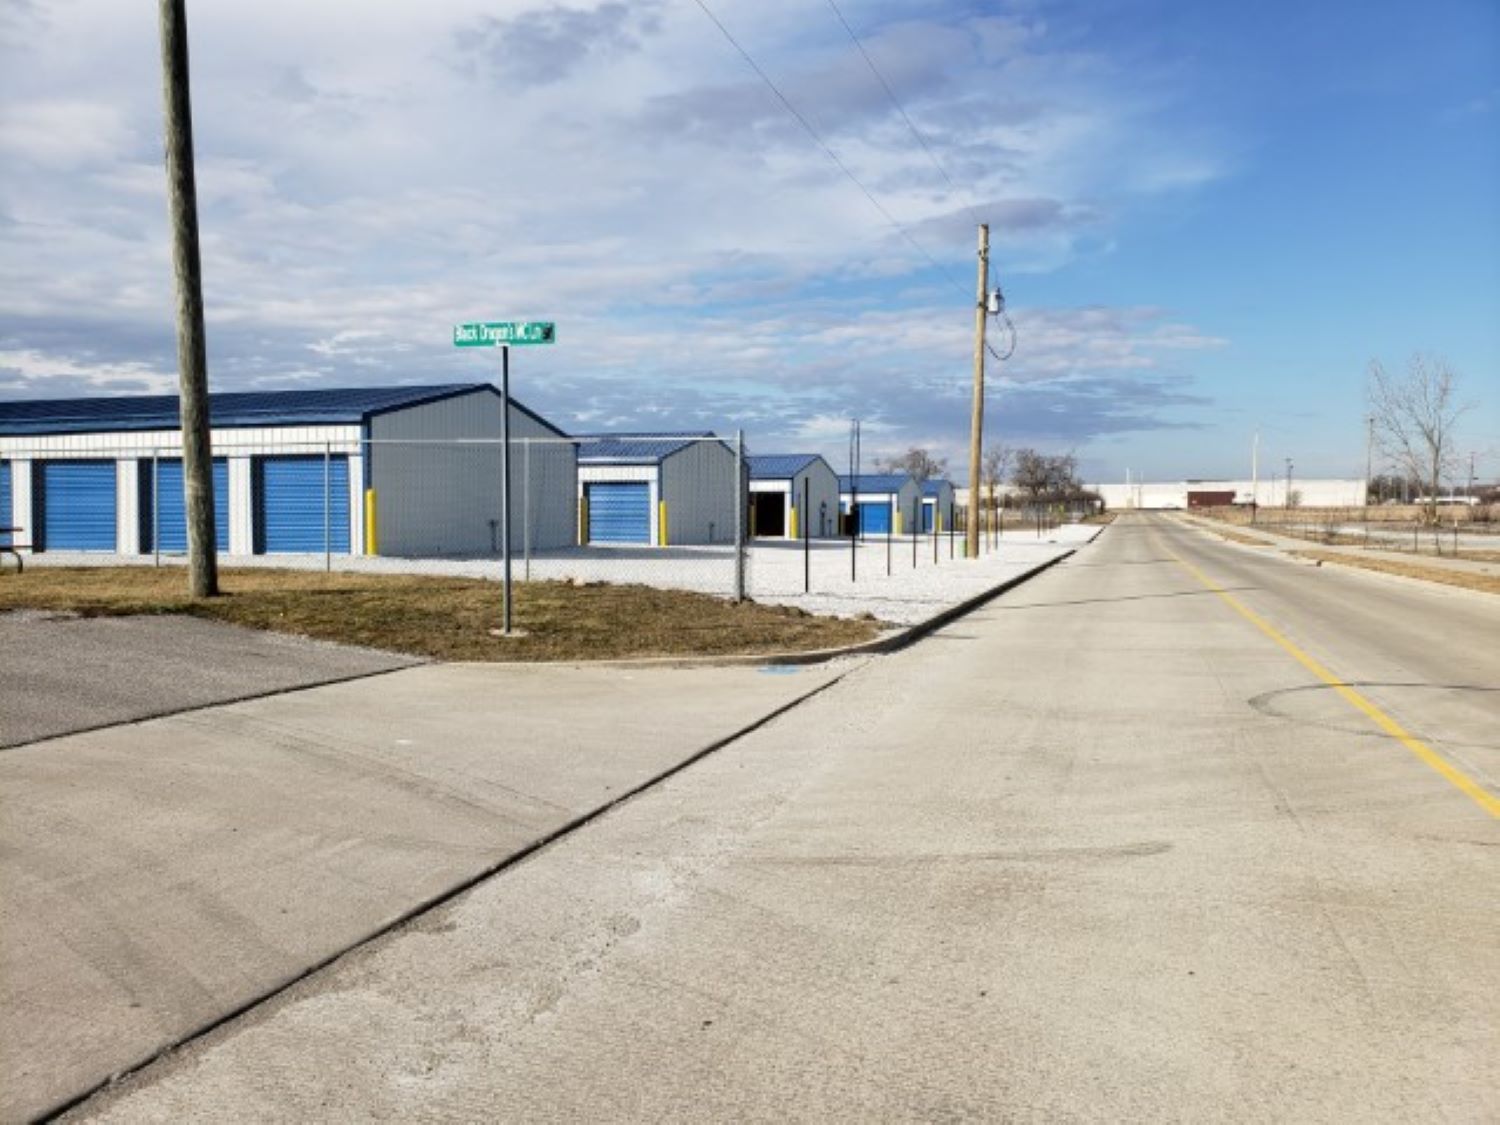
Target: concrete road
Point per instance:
(156, 876)
(62, 673)
(1106, 850)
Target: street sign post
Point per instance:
(503, 334)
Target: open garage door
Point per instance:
(769, 513)
(77, 505)
(619, 512)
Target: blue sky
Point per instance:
(1208, 218)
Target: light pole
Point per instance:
(1288, 482)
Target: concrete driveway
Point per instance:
(60, 673)
(160, 875)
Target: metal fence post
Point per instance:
(526, 504)
(890, 523)
(156, 505)
(806, 545)
(916, 530)
(327, 506)
(505, 480)
(740, 485)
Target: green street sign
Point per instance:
(504, 332)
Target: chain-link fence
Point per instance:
(682, 511)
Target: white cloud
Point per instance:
(370, 173)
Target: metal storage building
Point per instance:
(778, 482)
(937, 505)
(345, 471)
(665, 489)
(887, 501)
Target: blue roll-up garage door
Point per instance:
(289, 503)
(77, 502)
(929, 509)
(619, 513)
(7, 516)
(171, 507)
(874, 517)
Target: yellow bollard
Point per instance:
(583, 521)
(371, 543)
(661, 521)
(793, 535)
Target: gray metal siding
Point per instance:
(7, 517)
(442, 498)
(78, 505)
(698, 484)
(822, 499)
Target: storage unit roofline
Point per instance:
(231, 409)
(636, 448)
(779, 466)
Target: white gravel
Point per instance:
(774, 570)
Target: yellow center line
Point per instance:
(1430, 757)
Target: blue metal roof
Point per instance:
(936, 486)
(875, 482)
(332, 407)
(634, 449)
(779, 466)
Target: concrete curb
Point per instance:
(892, 641)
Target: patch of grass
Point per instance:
(1102, 518)
(1468, 580)
(445, 618)
(1236, 537)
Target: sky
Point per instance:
(1207, 218)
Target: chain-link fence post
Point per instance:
(156, 507)
(327, 507)
(740, 487)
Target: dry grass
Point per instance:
(1480, 517)
(1236, 537)
(1099, 518)
(446, 618)
(1487, 583)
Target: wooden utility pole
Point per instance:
(976, 414)
(192, 352)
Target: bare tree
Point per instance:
(1415, 415)
(993, 467)
(916, 463)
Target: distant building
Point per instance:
(888, 502)
(937, 505)
(1269, 493)
(661, 489)
(783, 486)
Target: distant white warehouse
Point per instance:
(668, 489)
(1270, 493)
(388, 470)
(783, 486)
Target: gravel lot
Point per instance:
(774, 570)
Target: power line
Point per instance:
(821, 143)
(895, 101)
